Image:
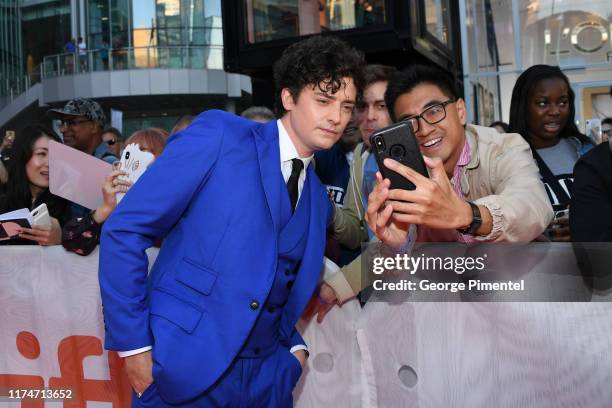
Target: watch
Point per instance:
(476, 221)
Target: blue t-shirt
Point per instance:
(333, 169)
(70, 47)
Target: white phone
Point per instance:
(40, 215)
(593, 130)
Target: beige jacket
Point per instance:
(501, 175)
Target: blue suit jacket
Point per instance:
(214, 196)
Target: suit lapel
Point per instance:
(268, 153)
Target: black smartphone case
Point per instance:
(398, 143)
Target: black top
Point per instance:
(591, 207)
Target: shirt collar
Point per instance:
(466, 155)
(287, 148)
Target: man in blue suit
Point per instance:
(242, 215)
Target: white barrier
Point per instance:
(403, 355)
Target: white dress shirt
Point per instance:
(288, 152)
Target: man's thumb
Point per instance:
(436, 166)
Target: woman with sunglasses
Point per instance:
(542, 110)
(28, 186)
(82, 234)
(112, 137)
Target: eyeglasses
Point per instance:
(73, 122)
(607, 132)
(111, 142)
(432, 115)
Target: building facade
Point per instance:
(500, 39)
(392, 32)
(151, 60)
(155, 60)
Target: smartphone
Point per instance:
(398, 143)
(593, 130)
(40, 215)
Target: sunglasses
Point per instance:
(71, 122)
(111, 142)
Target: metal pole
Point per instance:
(516, 29)
(465, 57)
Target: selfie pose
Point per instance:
(482, 185)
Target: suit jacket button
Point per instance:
(254, 305)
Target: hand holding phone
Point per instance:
(397, 142)
(559, 228)
(412, 194)
(40, 215)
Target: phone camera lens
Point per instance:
(397, 152)
(380, 143)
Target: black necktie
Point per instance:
(292, 184)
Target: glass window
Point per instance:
(45, 30)
(119, 34)
(11, 61)
(565, 33)
(168, 13)
(169, 36)
(571, 32)
(275, 19)
(98, 42)
(194, 13)
(503, 40)
(144, 34)
(437, 20)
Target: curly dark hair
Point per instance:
(519, 106)
(321, 60)
(408, 79)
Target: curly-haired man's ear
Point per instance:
(287, 99)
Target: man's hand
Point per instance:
(301, 357)
(380, 218)
(139, 369)
(320, 304)
(433, 203)
(43, 234)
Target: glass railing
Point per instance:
(11, 88)
(112, 59)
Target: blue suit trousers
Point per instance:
(266, 382)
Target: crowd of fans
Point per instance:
(569, 165)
